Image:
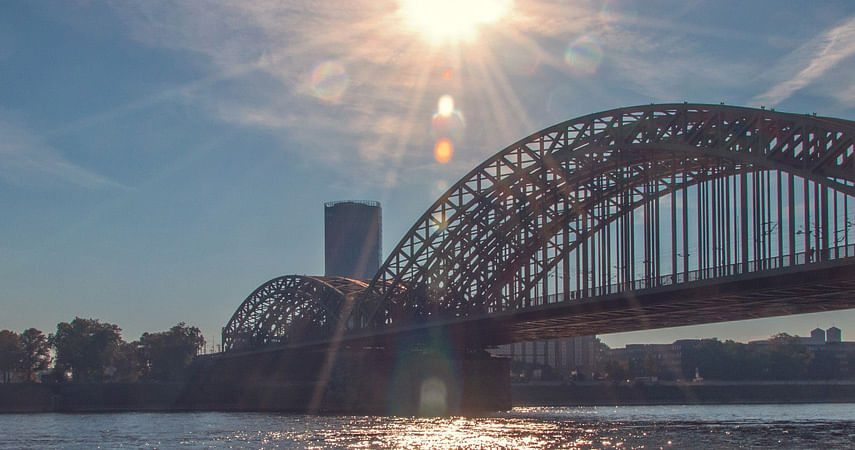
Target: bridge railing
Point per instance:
(757, 265)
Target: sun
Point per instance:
(452, 20)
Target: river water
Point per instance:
(719, 426)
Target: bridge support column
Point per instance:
(421, 383)
(362, 381)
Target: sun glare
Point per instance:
(449, 20)
(445, 106)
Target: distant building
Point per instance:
(568, 356)
(352, 238)
(644, 360)
(832, 358)
(833, 334)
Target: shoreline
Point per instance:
(707, 393)
(179, 397)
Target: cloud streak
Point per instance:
(812, 61)
(27, 161)
(263, 54)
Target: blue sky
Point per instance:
(159, 160)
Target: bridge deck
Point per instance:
(800, 289)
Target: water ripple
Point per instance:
(713, 427)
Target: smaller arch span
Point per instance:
(291, 308)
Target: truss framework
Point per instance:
(610, 202)
(291, 308)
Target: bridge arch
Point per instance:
(292, 308)
(575, 210)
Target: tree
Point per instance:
(824, 366)
(710, 358)
(782, 357)
(86, 347)
(616, 370)
(601, 354)
(129, 363)
(789, 359)
(11, 353)
(36, 352)
(167, 354)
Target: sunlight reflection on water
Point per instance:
(780, 426)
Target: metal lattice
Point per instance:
(577, 209)
(617, 201)
(291, 308)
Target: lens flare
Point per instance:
(433, 398)
(445, 105)
(439, 187)
(584, 55)
(443, 151)
(447, 122)
(447, 74)
(329, 81)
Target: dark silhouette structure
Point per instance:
(634, 218)
(352, 239)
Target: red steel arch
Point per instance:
(289, 309)
(510, 234)
(616, 201)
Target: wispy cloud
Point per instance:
(27, 161)
(264, 54)
(810, 62)
(267, 53)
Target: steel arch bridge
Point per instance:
(292, 308)
(621, 204)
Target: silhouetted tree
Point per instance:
(788, 358)
(615, 370)
(824, 366)
(11, 353)
(167, 354)
(86, 347)
(129, 363)
(709, 358)
(36, 352)
(601, 354)
(784, 357)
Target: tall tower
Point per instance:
(352, 236)
(834, 334)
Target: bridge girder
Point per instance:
(566, 213)
(291, 308)
(481, 246)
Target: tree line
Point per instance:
(784, 357)
(781, 357)
(88, 350)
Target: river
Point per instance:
(706, 426)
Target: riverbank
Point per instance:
(117, 397)
(709, 393)
(162, 397)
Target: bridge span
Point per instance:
(692, 299)
(634, 218)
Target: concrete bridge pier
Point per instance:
(362, 381)
(422, 383)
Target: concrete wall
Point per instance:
(362, 382)
(681, 394)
